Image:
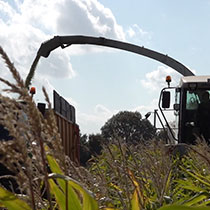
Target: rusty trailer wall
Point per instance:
(69, 130)
(70, 137)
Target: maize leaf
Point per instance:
(196, 177)
(138, 194)
(196, 199)
(109, 208)
(189, 185)
(89, 203)
(73, 200)
(175, 207)
(59, 196)
(11, 202)
(135, 205)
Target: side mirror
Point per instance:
(166, 98)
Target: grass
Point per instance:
(123, 177)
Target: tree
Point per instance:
(85, 154)
(90, 145)
(95, 143)
(129, 126)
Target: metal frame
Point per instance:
(65, 41)
(161, 110)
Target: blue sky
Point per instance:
(99, 81)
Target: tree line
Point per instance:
(128, 126)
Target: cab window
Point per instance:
(192, 100)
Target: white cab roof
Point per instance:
(194, 79)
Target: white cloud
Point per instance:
(95, 120)
(143, 109)
(38, 13)
(57, 65)
(131, 32)
(102, 110)
(23, 36)
(26, 24)
(155, 80)
(136, 30)
(138, 35)
(6, 9)
(87, 17)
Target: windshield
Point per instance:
(197, 115)
(194, 98)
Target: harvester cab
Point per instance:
(191, 109)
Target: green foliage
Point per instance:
(175, 207)
(78, 197)
(126, 125)
(60, 190)
(134, 176)
(129, 126)
(184, 185)
(90, 146)
(148, 177)
(194, 183)
(95, 143)
(74, 201)
(11, 201)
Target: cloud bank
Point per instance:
(155, 80)
(25, 24)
